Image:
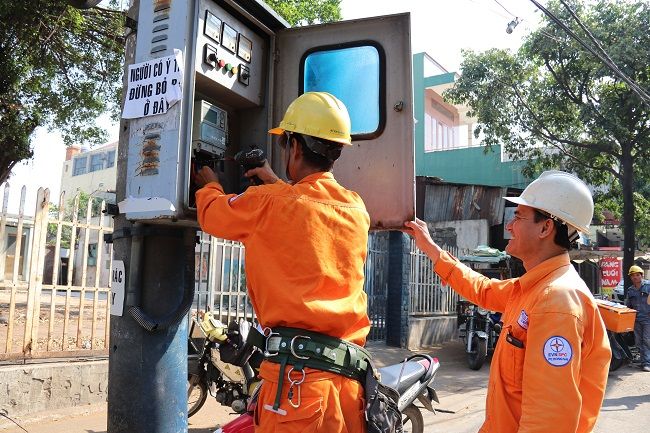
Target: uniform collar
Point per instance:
(314, 177)
(539, 272)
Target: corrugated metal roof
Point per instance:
(453, 202)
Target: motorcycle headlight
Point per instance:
(482, 311)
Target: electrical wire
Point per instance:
(504, 8)
(605, 59)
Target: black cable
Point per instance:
(612, 67)
(504, 8)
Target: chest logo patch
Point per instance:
(557, 351)
(523, 319)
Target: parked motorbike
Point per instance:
(413, 379)
(219, 366)
(479, 329)
(623, 349)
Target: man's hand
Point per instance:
(263, 173)
(419, 231)
(203, 176)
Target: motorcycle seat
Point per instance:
(413, 371)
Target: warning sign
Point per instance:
(153, 86)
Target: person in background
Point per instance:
(549, 369)
(637, 298)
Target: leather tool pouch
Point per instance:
(382, 413)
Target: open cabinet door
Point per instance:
(367, 64)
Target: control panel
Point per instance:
(231, 54)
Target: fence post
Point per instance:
(36, 262)
(397, 308)
(3, 223)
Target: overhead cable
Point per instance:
(603, 58)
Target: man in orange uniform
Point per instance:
(549, 369)
(306, 244)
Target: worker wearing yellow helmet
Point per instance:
(306, 244)
(636, 297)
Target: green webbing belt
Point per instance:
(301, 348)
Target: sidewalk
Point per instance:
(461, 391)
(92, 419)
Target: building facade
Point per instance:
(445, 146)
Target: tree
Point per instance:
(67, 213)
(61, 63)
(558, 106)
(60, 67)
(302, 12)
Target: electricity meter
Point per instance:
(209, 129)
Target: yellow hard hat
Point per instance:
(318, 114)
(634, 269)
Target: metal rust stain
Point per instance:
(150, 156)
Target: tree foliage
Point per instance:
(67, 213)
(305, 12)
(60, 67)
(558, 106)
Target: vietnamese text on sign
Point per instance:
(153, 86)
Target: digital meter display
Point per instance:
(245, 48)
(212, 27)
(229, 38)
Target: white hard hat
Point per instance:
(563, 196)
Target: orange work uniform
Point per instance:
(551, 374)
(306, 245)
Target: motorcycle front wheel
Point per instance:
(412, 420)
(616, 363)
(476, 357)
(197, 393)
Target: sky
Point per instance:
(441, 28)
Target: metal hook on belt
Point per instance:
(293, 352)
(296, 383)
(268, 333)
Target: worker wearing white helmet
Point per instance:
(549, 369)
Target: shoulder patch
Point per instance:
(523, 319)
(557, 351)
(232, 199)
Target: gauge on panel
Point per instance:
(245, 48)
(229, 38)
(212, 27)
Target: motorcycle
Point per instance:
(623, 349)
(479, 329)
(218, 366)
(413, 380)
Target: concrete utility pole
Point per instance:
(147, 385)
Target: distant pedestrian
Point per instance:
(637, 298)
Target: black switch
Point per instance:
(243, 74)
(210, 55)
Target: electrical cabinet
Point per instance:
(238, 67)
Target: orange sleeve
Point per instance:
(229, 216)
(479, 289)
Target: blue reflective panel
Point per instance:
(352, 75)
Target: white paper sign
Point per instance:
(118, 284)
(154, 86)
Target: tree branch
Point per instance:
(542, 127)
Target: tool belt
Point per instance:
(301, 348)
